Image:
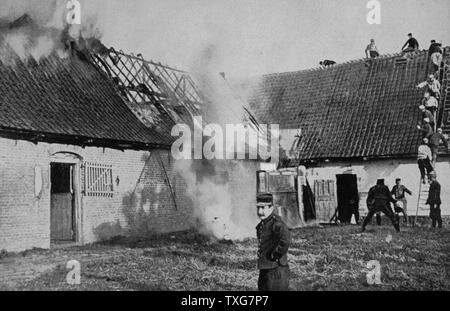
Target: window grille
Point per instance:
(98, 180)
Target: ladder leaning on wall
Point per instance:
(422, 199)
(443, 119)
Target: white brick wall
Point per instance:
(25, 220)
(369, 171)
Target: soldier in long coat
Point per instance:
(434, 200)
(273, 244)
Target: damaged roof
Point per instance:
(68, 99)
(360, 109)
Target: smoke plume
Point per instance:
(224, 202)
(37, 28)
(223, 191)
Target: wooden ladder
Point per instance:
(422, 199)
(444, 101)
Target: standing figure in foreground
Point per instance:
(399, 191)
(434, 200)
(273, 244)
(378, 200)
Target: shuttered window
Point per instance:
(98, 180)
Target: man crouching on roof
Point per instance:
(273, 244)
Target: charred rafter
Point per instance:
(167, 90)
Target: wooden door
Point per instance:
(61, 216)
(283, 186)
(325, 195)
(62, 203)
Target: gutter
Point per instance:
(82, 141)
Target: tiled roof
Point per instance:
(364, 108)
(67, 97)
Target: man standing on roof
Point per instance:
(433, 86)
(427, 114)
(435, 140)
(425, 128)
(273, 244)
(424, 159)
(435, 53)
(434, 200)
(411, 45)
(378, 200)
(430, 102)
(398, 191)
(372, 50)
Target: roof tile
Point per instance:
(363, 108)
(67, 97)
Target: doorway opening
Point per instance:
(62, 204)
(347, 197)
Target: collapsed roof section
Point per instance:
(66, 100)
(159, 95)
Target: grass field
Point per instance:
(329, 258)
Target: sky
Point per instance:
(252, 37)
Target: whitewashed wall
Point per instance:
(369, 171)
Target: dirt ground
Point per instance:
(325, 258)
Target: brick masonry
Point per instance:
(142, 200)
(368, 172)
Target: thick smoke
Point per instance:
(37, 28)
(222, 196)
(223, 191)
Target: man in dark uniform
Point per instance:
(435, 54)
(411, 45)
(273, 243)
(434, 200)
(378, 200)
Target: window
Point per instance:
(61, 176)
(98, 180)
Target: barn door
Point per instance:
(283, 186)
(325, 196)
(62, 202)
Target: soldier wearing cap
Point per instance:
(273, 243)
(434, 200)
(378, 200)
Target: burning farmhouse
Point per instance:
(85, 141)
(85, 147)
